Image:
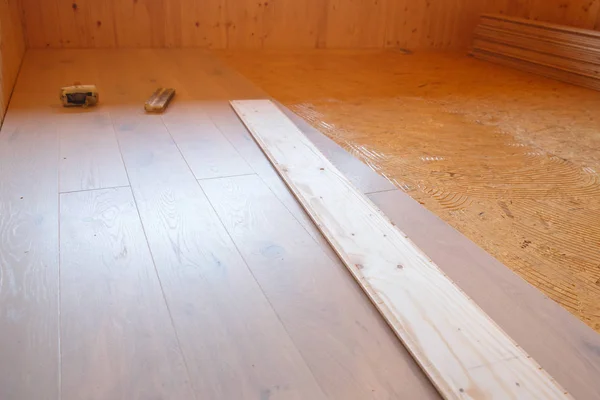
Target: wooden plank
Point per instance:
(539, 31)
(565, 64)
(543, 25)
(550, 46)
(246, 353)
(208, 153)
(566, 347)
(462, 351)
(549, 72)
(116, 333)
(89, 153)
(349, 362)
(551, 50)
(29, 346)
(234, 130)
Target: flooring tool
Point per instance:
(79, 95)
(159, 100)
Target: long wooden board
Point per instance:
(463, 352)
(539, 69)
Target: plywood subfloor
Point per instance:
(509, 159)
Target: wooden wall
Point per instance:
(280, 23)
(579, 13)
(250, 23)
(12, 49)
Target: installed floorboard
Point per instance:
(89, 153)
(116, 333)
(232, 128)
(351, 361)
(204, 147)
(457, 345)
(232, 85)
(234, 344)
(28, 258)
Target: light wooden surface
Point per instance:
(117, 340)
(462, 351)
(12, 49)
(537, 322)
(89, 153)
(29, 267)
(209, 153)
(174, 217)
(296, 275)
(215, 302)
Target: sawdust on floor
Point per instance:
(511, 160)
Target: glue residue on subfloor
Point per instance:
(509, 159)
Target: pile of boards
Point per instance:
(560, 52)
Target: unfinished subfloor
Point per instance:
(510, 159)
(162, 257)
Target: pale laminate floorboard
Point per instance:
(116, 333)
(353, 355)
(233, 342)
(29, 345)
(89, 154)
(29, 242)
(232, 128)
(208, 153)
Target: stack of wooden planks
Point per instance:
(560, 52)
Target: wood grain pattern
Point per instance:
(89, 153)
(116, 333)
(288, 264)
(12, 50)
(462, 351)
(250, 24)
(208, 153)
(246, 353)
(566, 348)
(29, 345)
(29, 164)
(232, 128)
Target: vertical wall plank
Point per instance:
(252, 24)
(12, 50)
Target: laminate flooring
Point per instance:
(124, 277)
(162, 257)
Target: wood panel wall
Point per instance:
(12, 49)
(280, 23)
(250, 23)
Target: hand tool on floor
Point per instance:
(79, 95)
(159, 100)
